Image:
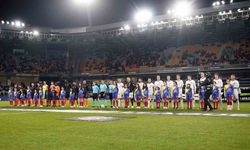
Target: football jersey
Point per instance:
(63, 95)
(140, 85)
(218, 83)
(80, 93)
(40, 94)
(145, 92)
(215, 93)
(138, 94)
(126, 93)
(158, 96)
(175, 92)
(159, 84)
(120, 87)
(165, 93)
(36, 96)
(115, 92)
(72, 96)
(150, 88)
(192, 85)
(180, 84)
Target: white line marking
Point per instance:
(127, 112)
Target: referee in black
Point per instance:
(208, 84)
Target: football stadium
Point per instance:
(124, 74)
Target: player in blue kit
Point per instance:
(145, 96)
(80, 97)
(63, 97)
(72, 98)
(189, 96)
(41, 96)
(228, 93)
(215, 97)
(165, 97)
(201, 97)
(22, 98)
(28, 97)
(158, 97)
(138, 96)
(175, 95)
(126, 95)
(36, 98)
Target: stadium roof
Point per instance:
(202, 11)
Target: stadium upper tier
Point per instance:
(211, 40)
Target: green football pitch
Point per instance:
(47, 130)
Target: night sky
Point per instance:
(64, 13)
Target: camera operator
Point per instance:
(208, 86)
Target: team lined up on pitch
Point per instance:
(124, 95)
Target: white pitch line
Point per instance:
(127, 112)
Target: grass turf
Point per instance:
(37, 130)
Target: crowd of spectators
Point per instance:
(209, 54)
(12, 63)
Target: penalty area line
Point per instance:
(128, 112)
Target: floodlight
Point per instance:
(23, 25)
(36, 33)
(127, 27)
(85, 2)
(218, 3)
(12, 23)
(2, 22)
(7, 22)
(231, 1)
(182, 9)
(18, 23)
(143, 16)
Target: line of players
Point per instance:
(124, 95)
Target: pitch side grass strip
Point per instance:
(128, 112)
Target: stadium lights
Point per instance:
(218, 3)
(12, 23)
(7, 22)
(127, 27)
(18, 24)
(182, 9)
(35, 33)
(2, 22)
(231, 1)
(143, 16)
(85, 2)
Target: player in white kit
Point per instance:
(158, 83)
(150, 86)
(180, 85)
(202, 90)
(170, 85)
(120, 87)
(192, 85)
(236, 86)
(218, 84)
